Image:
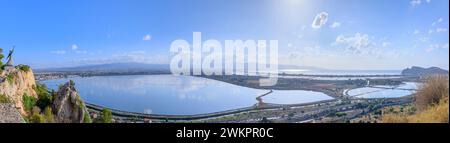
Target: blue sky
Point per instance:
(357, 34)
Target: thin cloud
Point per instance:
(415, 3)
(437, 21)
(132, 56)
(147, 37)
(433, 47)
(290, 45)
(59, 52)
(81, 52)
(385, 44)
(359, 44)
(335, 25)
(438, 30)
(74, 47)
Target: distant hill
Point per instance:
(132, 67)
(284, 67)
(419, 71)
(137, 67)
(114, 67)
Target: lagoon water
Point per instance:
(176, 95)
(294, 97)
(404, 89)
(340, 72)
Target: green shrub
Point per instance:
(107, 116)
(44, 97)
(10, 78)
(28, 102)
(24, 68)
(4, 99)
(48, 114)
(340, 114)
(37, 118)
(87, 118)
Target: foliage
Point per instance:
(432, 102)
(36, 105)
(434, 89)
(87, 118)
(1, 57)
(28, 102)
(107, 116)
(433, 114)
(37, 118)
(48, 114)
(24, 68)
(10, 78)
(4, 99)
(340, 114)
(36, 110)
(44, 97)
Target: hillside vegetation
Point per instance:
(431, 102)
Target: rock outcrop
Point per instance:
(15, 83)
(68, 106)
(9, 114)
(419, 71)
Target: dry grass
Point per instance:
(395, 118)
(431, 93)
(432, 102)
(4, 99)
(434, 114)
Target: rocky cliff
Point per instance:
(68, 106)
(15, 83)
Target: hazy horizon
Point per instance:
(283, 67)
(344, 35)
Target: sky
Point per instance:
(333, 34)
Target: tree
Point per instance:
(37, 118)
(44, 97)
(107, 116)
(265, 120)
(48, 114)
(87, 118)
(24, 68)
(1, 57)
(28, 102)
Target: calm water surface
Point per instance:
(176, 95)
(397, 91)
